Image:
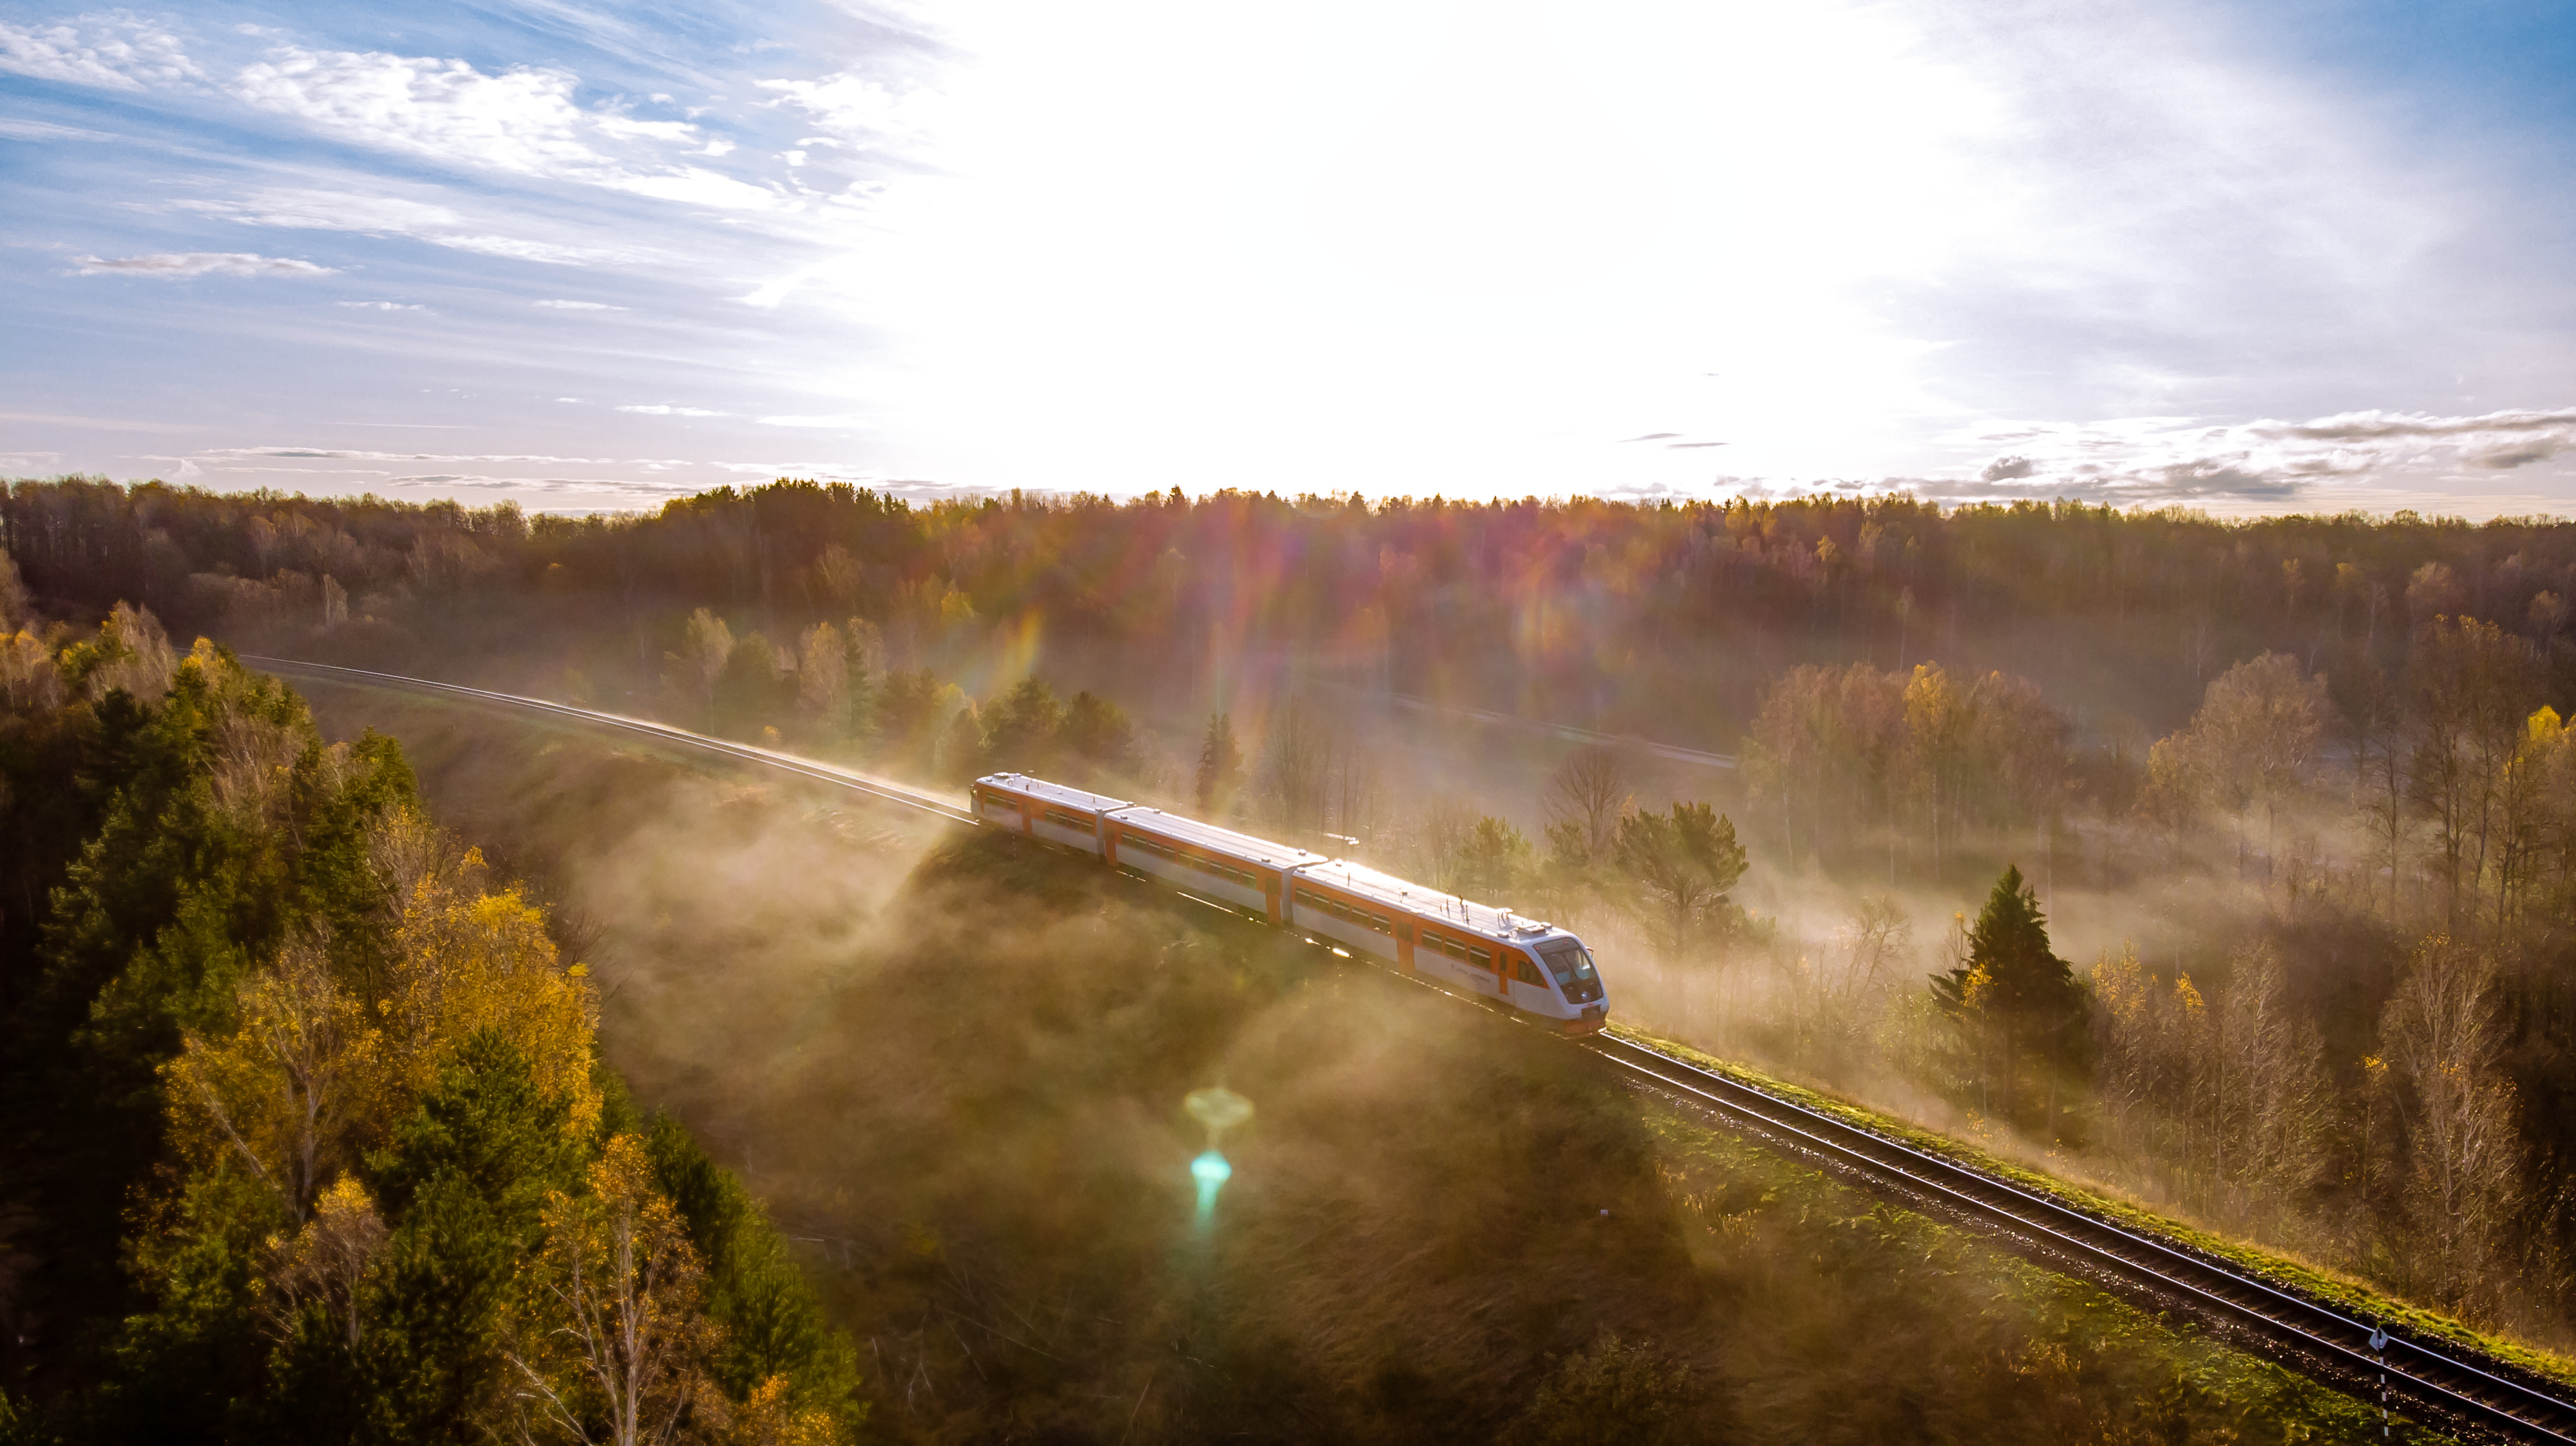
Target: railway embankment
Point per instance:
(2342, 1292)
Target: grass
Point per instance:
(2330, 1287)
(2075, 1329)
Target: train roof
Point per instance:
(1056, 793)
(1219, 840)
(1413, 898)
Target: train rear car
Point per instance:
(1051, 811)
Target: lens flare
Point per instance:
(1211, 1171)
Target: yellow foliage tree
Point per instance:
(280, 1096)
(325, 1265)
(771, 1417)
(467, 960)
(609, 1341)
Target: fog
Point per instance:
(954, 1067)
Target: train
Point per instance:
(1525, 965)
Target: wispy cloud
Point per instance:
(558, 304)
(660, 410)
(382, 305)
(436, 224)
(2157, 460)
(112, 52)
(36, 130)
(845, 422)
(200, 263)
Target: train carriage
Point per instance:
(1214, 862)
(1072, 817)
(1523, 964)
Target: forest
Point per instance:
(311, 1138)
(2225, 866)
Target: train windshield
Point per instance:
(1572, 966)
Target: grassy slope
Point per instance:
(2353, 1295)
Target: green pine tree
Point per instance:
(2017, 1006)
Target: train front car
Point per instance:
(1470, 948)
(1569, 965)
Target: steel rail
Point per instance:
(880, 788)
(2484, 1397)
(2494, 1401)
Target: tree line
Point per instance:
(1620, 616)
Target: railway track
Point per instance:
(2439, 1384)
(885, 789)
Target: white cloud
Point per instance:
(382, 305)
(523, 121)
(860, 107)
(845, 422)
(390, 216)
(200, 263)
(561, 305)
(668, 411)
(696, 186)
(114, 51)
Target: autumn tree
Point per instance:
(1021, 729)
(280, 1094)
(1586, 794)
(610, 1344)
(690, 672)
(1297, 750)
(2468, 682)
(1494, 860)
(1936, 728)
(910, 710)
(2444, 1032)
(963, 752)
(2254, 741)
(1098, 737)
(1220, 771)
(752, 689)
(1681, 865)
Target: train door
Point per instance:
(1404, 931)
(1525, 984)
(1271, 895)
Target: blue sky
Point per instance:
(2251, 258)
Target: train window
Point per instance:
(1525, 971)
(1381, 923)
(1480, 957)
(1308, 898)
(1571, 963)
(1062, 819)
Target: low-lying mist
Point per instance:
(953, 1065)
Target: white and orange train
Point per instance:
(1534, 968)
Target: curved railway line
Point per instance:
(2451, 1389)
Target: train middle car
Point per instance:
(1532, 967)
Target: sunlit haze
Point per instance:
(2250, 258)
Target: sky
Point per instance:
(584, 255)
